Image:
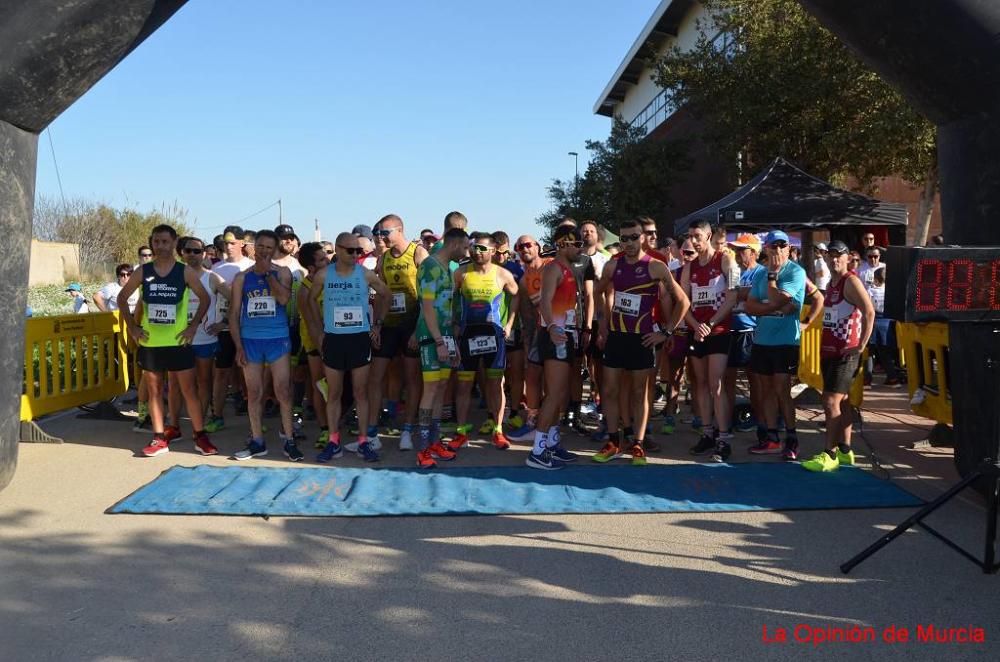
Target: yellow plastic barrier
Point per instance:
(809, 365)
(70, 360)
(925, 350)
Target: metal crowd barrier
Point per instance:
(925, 352)
(72, 360)
(809, 366)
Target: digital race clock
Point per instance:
(953, 283)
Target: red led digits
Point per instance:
(930, 274)
(959, 292)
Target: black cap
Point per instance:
(284, 231)
(837, 246)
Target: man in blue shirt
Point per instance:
(776, 297)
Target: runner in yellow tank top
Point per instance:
(397, 267)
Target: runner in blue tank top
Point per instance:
(349, 334)
(259, 326)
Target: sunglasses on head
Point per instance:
(194, 251)
(525, 246)
(480, 248)
(629, 237)
(351, 251)
(778, 244)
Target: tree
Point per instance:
(767, 80)
(626, 176)
(105, 235)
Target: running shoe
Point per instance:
(291, 450)
(324, 436)
(353, 446)
(330, 451)
(696, 423)
(704, 445)
(766, 447)
(515, 421)
(142, 424)
(215, 424)
(845, 458)
(579, 427)
(722, 452)
(172, 433)
(600, 435)
(669, 425)
(253, 449)
(523, 433)
(563, 455)
(406, 440)
(425, 460)
(438, 450)
(650, 446)
(791, 450)
(158, 446)
(488, 426)
(638, 455)
(821, 462)
(204, 445)
(609, 452)
(500, 442)
(544, 460)
(588, 408)
(368, 452)
(457, 442)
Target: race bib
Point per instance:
(829, 318)
(222, 308)
(626, 304)
(398, 303)
(348, 317)
(450, 345)
(192, 308)
(482, 345)
(571, 318)
(702, 296)
(162, 313)
(261, 307)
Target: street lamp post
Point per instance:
(576, 178)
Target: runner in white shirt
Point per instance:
(821, 271)
(106, 299)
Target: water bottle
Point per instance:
(561, 347)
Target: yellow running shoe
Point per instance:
(846, 459)
(821, 462)
(488, 426)
(609, 452)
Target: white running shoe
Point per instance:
(406, 441)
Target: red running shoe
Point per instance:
(500, 442)
(438, 450)
(457, 442)
(158, 446)
(204, 445)
(425, 460)
(172, 433)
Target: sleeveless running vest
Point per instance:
(563, 301)
(482, 297)
(202, 336)
(345, 302)
(708, 292)
(400, 275)
(636, 296)
(261, 317)
(531, 282)
(164, 305)
(841, 321)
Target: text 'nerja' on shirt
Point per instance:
(345, 302)
(164, 305)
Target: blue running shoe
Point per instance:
(291, 450)
(696, 423)
(544, 461)
(563, 455)
(331, 451)
(255, 448)
(523, 433)
(368, 452)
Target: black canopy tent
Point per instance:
(783, 196)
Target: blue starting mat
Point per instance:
(348, 492)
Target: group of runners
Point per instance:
(375, 331)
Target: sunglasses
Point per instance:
(574, 244)
(689, 252)
(778, 244)
(194, 251)
(124, 274)
(384, 233)
(525, 246)
(629, 237)
(479, 248)
(649, 233)
(503, 253)
(351, 251)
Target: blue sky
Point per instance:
(347, 111)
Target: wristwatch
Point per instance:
(772, 276)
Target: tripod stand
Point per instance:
(990, 470)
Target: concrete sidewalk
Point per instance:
(76, 584)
